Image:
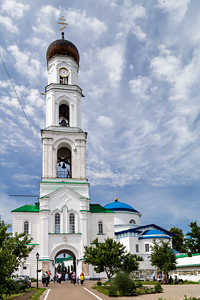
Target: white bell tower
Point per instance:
(64, 142)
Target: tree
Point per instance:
(162, 256)
(59, 268)
(13, 252)
(178, 239)
(63, 266)
(192, 240)
(110, 257)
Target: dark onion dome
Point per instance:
(62, 47)
(120, 206)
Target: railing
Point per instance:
(63, 174)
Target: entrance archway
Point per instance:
(67, 252)
(68, 249)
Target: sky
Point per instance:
(139, 72)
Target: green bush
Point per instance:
(191, 298)
(133, 287)
(158, 288)
(112, 292)
(105, 283)
(33, 279)
(98, 283)
(123, 283)
(139, 285)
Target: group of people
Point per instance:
(59, 276)
(46, 278)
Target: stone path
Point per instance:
(78, 292)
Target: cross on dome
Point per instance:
(63, 27)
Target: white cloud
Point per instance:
(105, 121)
(27, 63)
(13, 8)
(113, 61)
(140, 86)
(85, 23)
(130, 14)
(177, 9)
(25, 177)
(46, 18)
(8, 25)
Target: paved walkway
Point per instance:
(69, 292)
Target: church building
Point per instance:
(63, 220)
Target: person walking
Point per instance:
(74, 278)
(66, 277)
(59, 277)
(47, 278)
(55, 278)
(43, 279)
(82, 278)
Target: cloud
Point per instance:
(139, 86)
(8, 25)
(27, 63)
(130, 14)
(44, 17)
(105, 121)
(25, 177)
(113, 61)
(85, 23)
(13, 8)
(177, 9)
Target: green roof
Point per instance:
(28, 208)
(185, 255)
(97, 208)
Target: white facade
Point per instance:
(64, 221)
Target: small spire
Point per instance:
(116, 199)
(63, 27)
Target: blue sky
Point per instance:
(139, 71)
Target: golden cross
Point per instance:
(115, 194)
(63, 27)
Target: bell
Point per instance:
(63, 166)
(59, 164)
(64, 254)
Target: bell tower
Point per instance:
(63, 139)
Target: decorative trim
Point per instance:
(65, 233)
(100, 233)
(44, 259)
(62, 183)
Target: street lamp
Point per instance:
(37, 257)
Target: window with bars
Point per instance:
(26, 227)
(71, 223)
(57, 223)
(146, 247)
(137, 248)
(100, 225)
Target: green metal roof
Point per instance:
(185, 255)
(28, 208)
(97, 208)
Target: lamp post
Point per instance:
(37, 257)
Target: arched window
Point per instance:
(100, 226)
(57, 223)
(64, 163)
(64, 115)
(132, 221)
(26, 227)
(71, 223)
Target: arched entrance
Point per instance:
(65, 249)
(65, 253)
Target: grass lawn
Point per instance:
(36, 296)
